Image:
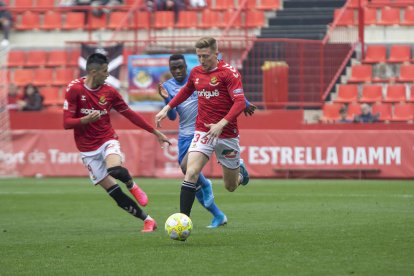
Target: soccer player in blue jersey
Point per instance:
(187, 112)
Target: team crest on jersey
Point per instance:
(102, 100)
(213, 81)
(229, 153)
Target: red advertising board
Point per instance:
(266, 153)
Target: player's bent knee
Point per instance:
(192, 174)
(120, 173)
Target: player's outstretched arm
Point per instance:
(162, 139)
(161, 115)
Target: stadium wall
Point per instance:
(357, 153)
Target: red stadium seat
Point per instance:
(403, 112)
(130, 2)
(52, 95)
(29, 21)
(52, 21)
(64, 76)
(95, 23)
(389, 16)
(23, 3)
(16, 58)
(223, 5)
(408, 19)
(371, 94)
(116, 17)
(370, 16)
(164, 19)
(23, 77)
(354, 109)
(228, 16)
(384, 110)
(74, 21)
(347, 18)
(251, 4)
(355, 3)
(330, 112)
(36, 58)
(411, 97)
(361, 73)
(211, 19)
(400, 53)
(347, 93)
(254, 19)
(395, 93)
(43, 76)
(45, 3)
(57, 58)
(375, 54)
(269, 5)
(141, 20)
(187, 19)
(406, 73)
(73, 57)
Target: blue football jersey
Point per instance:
(186, 110)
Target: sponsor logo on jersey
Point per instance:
(238, 91)
(196, 81)
(83, 98)
(102, 100)
(88, 111)
(208, 94)
(229, 153)
(213, 81)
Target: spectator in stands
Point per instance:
(343, 112)
(12, 97)
(99, 5)
(6, 21)
(32, 100)
(166, 5)
(366, 116)
(384, 72)
(197, 4)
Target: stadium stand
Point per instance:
(371, 94)
(375, 54)
(384, 110)
(354, 109)
(361, 73)
(395, 93)
(399, 54)
(347, 93)
(403, 112)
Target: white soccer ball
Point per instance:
(178, 226)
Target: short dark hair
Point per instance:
(95, 59)
(177, 57)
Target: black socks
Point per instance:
(126, 202)
(188, 191)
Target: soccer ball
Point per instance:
(178, 226)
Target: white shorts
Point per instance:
(94, 161)
(227, 150)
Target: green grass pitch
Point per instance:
(276, 227)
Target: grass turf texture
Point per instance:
(276, 227)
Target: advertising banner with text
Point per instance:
(389, 153)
